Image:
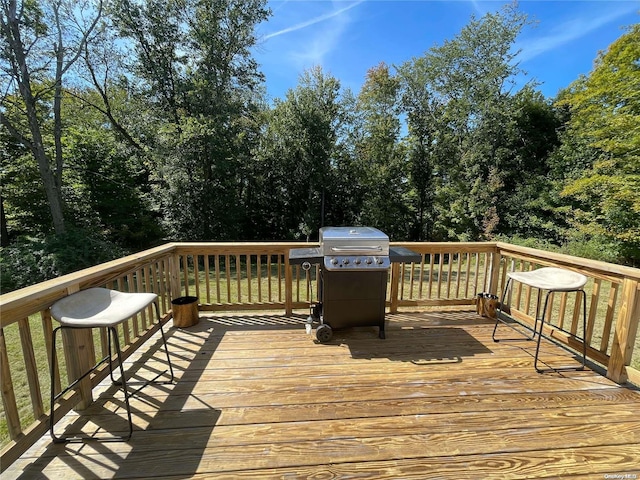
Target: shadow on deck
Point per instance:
(256, 397)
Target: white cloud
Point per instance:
(566, 32)
(313, 21)
(305, 46)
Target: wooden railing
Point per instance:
(257, 276)
(613, 306)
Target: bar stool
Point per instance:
(102, 308)
(552, 280)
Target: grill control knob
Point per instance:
(357, 261)
(334, 261)
(345, 261)
(368, 261)
(379, 261)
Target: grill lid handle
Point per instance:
(356, 249)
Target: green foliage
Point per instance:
(602, 134)
(381, 158)
(299, 154)
(207, 102)
(595, 248)
(160, 143)
(31, 259)
(460, 114)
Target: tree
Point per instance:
(603, 133)
(530, 203)
(380, 155)
(28, 29)
(424, 113)
(206, 100)
(469, 80)
(299, 154)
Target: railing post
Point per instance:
(625, 331)
(174, 274)
(495, 272)
(395, 279)
(79, 354)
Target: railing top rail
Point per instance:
(446, 247)
(203, 248)
(571, 261)
(26, 300)
(23, 302)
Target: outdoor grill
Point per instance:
(352, 285)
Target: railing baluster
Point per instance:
(196, 274)
(577, 308)
(440, 268)
(217, 269)
(269, 277)
(31, 368)
(593, 309)
(431, 266)
(476, 273)
(563, 308)
(249, 298)
(412, 280)
(47, 331)
(8, 393)
(227, 274)
(166, 290)
(185, 273)
(421, 283)
(280, 268)
(207, 277)
(259, 275)
(450, 257)
(467, 274)
(608, 321)
(140, 288)
(458, 274)
(239, 277)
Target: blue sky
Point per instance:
(348, 37)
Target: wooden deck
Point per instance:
(255, 397)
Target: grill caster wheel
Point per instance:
(324, 333)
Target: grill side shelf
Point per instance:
(404, 255)
(297, 256)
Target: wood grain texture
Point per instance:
(256, 397)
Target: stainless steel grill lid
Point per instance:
(365, 240)
(354, 248)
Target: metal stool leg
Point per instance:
(584, 335)
(111, 331)
(164, 341)
(498, 319)
(144, 383)
(112, 337)
(123, 379)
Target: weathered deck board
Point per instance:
(256, 398)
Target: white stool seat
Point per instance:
(551, 278)
(99, 307)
